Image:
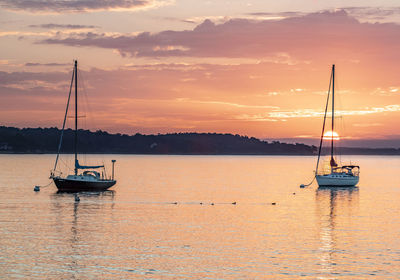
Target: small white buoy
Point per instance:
(302, 186)
(36, 189)
(77, 198)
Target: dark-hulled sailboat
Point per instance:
(90, 179)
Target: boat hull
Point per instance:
(68, 185)
(337, 181)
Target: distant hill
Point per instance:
(363, 151)
(45, 140)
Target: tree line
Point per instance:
(46, 140)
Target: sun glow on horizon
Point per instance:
(329, 134)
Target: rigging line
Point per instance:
(66, 164)
(65, 118)
(88, 108)
(76, 118)
(333, 112)
(90, 121)
(322, 136)
(340, 119)
(46, 185)
(323, 126)
(302, 186)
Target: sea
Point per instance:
(201, 217)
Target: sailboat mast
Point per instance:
(333, 110)
(76, 117)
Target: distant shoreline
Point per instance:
(46, 141)
(194, 154)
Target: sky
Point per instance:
(257, 68)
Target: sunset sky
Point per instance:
(257, 68)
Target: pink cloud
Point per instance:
(313, 36)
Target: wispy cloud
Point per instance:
(310, 113)
(79, 6)
(222, 103)
(256, 118)
(177, 19)
(25, 77)
(367, 124)
(26, 33)
(375, 14)
(389, 91)
(277, 115)
(279, 14)
(53, 64)
(62, 26)
(273, 16)
(365, 13)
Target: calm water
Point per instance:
(137, 232)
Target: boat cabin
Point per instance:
(351, 170)
(86, 175)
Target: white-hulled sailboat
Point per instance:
(89, 179)
(336, 176)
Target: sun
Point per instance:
(329, 134)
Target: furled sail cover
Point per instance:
(77, 166)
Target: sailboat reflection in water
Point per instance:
(335, 210)
(90, 179)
